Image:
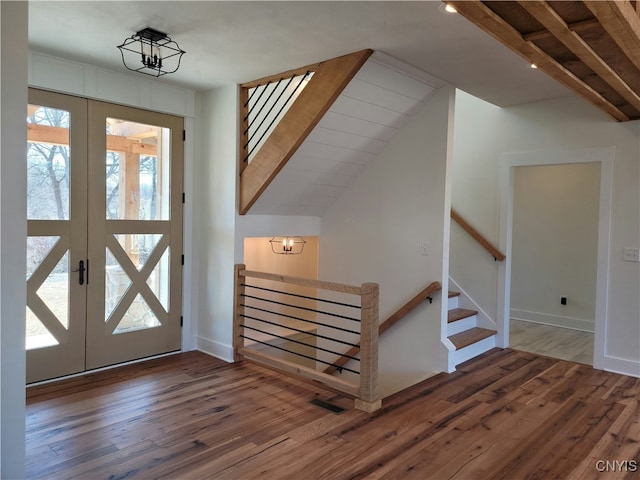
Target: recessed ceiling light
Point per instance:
(533, 65)
(450, 8)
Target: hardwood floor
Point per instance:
(506, 415)
(556, 342)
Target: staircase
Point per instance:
(468, 339)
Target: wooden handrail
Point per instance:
(394, 318)
(497, 254)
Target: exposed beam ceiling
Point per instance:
(592, 47)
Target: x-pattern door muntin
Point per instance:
(139, 283)
(117, 209)
(38, 306)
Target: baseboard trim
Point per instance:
(622, 366)
(553, 320)
(215, 349)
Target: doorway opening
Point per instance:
(553, 267)
(564, 305)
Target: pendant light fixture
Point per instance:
(151, 52)
(287, 245)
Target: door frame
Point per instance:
(508, 161)
(92, 165)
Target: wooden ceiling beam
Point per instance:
(547, 16)
(622, 23)
(497, 27)
(575, 26)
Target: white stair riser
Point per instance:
(473, 350)
(453, 303)
(461, 325)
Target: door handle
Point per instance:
(80, 271)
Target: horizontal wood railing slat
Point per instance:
(497, 254)
(394, 318)
(307, 282)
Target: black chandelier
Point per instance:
(151, 52)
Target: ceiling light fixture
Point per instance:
(450, 8)
(533, 65)
(151, 52)
(287, 245)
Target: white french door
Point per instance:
(105, 234)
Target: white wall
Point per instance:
(555, 244)
(373, 233)
(475, 196)
(13, 234)
(484, 132)
(125, 88)
(215, 195)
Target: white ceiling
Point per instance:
(235, 42)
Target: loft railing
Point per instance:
(277, 113)
(266, 102)
(486, 244)
(296, 324)
(423, 295)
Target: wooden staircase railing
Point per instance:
(398, 315)
(486, 244)
(328, 81)
(263, 301)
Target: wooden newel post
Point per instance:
(369, 400)
(238, 312)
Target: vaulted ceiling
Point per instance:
(592, 47)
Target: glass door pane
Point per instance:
(135, 224)
(56, 243)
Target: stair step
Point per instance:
(468, 337)
(454, 294)
(459, 313)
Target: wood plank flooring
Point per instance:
(505, 415)
(556, 342)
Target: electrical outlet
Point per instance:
(631, 254)
(563, 300)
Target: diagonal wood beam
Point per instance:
(622, 23)
(328, 81)
(547, 16)
(482, 16)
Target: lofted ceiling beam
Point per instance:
(576, 27)
(485, 18)
(547, 16)
(622, 23)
